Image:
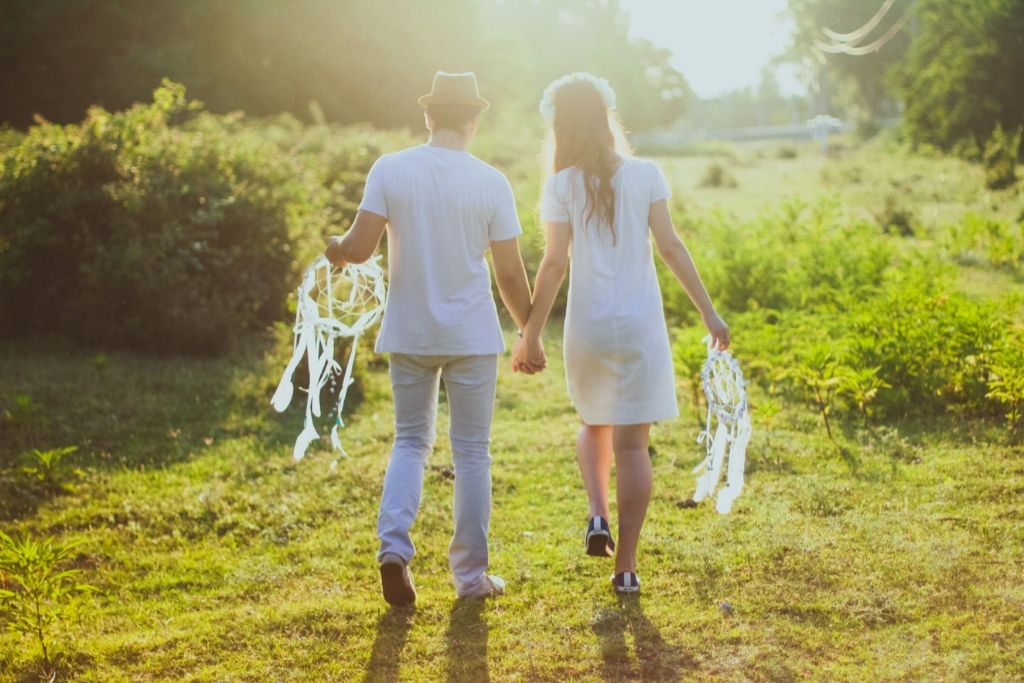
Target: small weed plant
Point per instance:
(36, 593)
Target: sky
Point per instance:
(718, 45)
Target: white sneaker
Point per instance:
(489, 585)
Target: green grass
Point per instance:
(218, 558)
(936, 190)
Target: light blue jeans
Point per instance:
(470, 383)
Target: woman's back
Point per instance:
(617, 357)
(612, 278)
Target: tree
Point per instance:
(962, 75)
(357, 60)
(862, 80)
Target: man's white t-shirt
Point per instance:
(444, 208)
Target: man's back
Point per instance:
(444, 208)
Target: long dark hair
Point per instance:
(586, 135)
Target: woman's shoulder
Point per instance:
(561, 180)
(642, 163)
(639, 171)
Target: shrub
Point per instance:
(134, 229)
(165, 227)
(933, 348)
(854, 326)
(990, 241)
(22, 410)
(895, 217)
(36, 592)
(716, 175)
(48, 467)
(790, 258)
(1006, 382)
(787, 152)
(1000, 158)
(9, 138)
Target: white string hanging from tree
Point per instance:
(850, 43)
(855, 37)
(332, 304)
(726, 393)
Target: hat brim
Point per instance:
(477, 102)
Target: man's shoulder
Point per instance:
(401, 155)
(489, 172)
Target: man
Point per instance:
(443, 210)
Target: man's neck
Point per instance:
(448, 139)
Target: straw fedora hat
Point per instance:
(454, 89)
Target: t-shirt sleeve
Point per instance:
(659, 186)
(375, 190)
(552, 204)
(504, 223)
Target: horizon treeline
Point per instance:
(345, 60)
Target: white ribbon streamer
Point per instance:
(725, 390)
(320, 318)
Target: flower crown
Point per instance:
(547, 101)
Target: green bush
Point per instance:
(1000, 158)
(36, 593)
(717, 175)
(827, 309)
(787, 152)
(167, 228)
(977, 240)
(1006, 381)
(933, 348)
(895, 217)
(790, 258)
(8, 138)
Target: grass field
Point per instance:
(218, 558)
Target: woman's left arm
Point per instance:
(549, 280)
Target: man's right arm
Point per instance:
(510, 274)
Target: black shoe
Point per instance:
(599, 538)
(626, 582)
(396, 581)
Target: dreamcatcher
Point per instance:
(332, 303)
(726, 394)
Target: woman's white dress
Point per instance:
(618, 362)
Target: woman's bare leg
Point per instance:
(633, 489)
(594, 456)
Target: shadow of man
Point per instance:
(386, 655)
(467, 642)
(656, 660)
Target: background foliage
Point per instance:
(360, 61)
(166, 227)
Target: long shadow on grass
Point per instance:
(656, 660)
(386, 655)
(467, 642)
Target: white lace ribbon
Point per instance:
(320, 319)
(725, 390)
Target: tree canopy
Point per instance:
(357, 60)
(962, 76)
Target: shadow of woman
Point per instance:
(386, 655)
(656, 660)
(467, 642)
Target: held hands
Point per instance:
(718, 330)
(528, 355)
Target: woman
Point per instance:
(600, 206)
